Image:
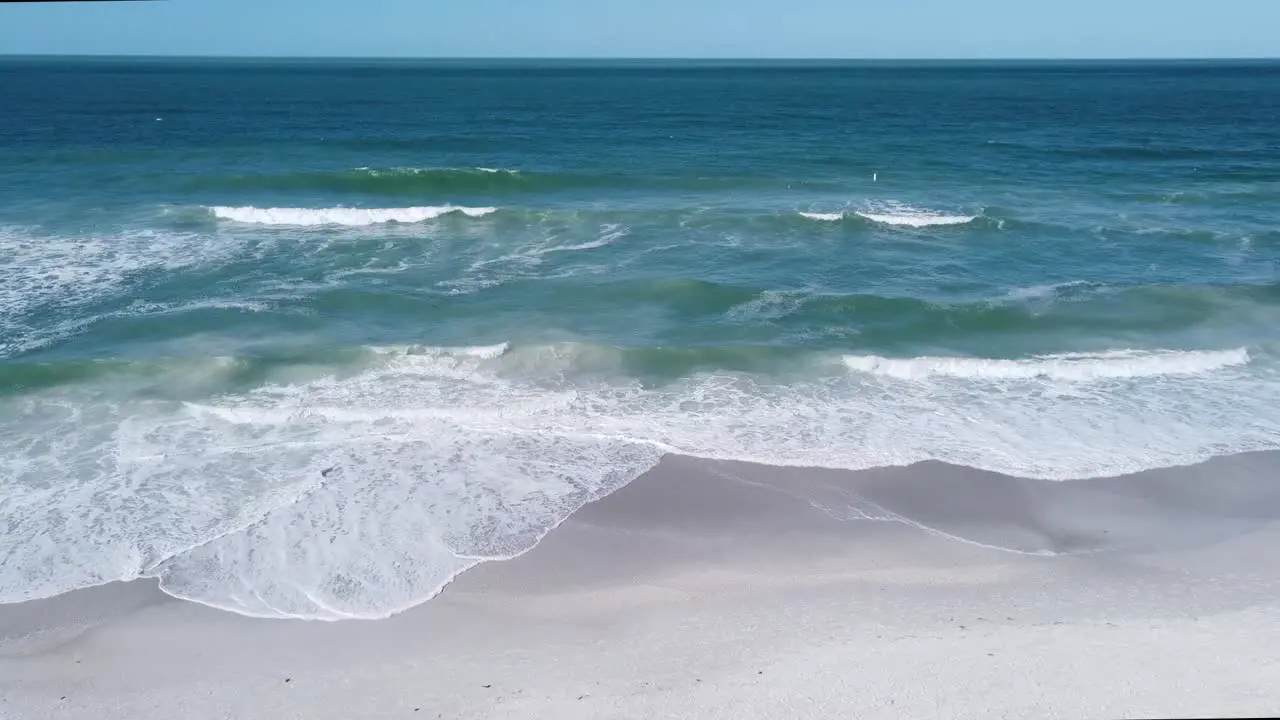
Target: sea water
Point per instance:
(309, 338)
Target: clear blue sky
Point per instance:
(649, 28)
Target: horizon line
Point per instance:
(657, 58)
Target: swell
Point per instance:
(758, 220)
(1075, 367)
(180, 379)
(756, 329)
(1233, 195)
(1153, 152)
(177, 377)
(697, 218)
(1089, 307)
(778, 333)
(452, 182)
(1005, 220)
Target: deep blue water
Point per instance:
(308, 337)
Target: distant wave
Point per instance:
(435, 172)
(896, 214)
(1076, 367)
(485, 181)
(403, 181)
(479, 352)
(523, 262)
(307, 217)
(887, 320)
(825, 217)
(1073, 289)
(916, 218)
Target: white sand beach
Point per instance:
(726, 590)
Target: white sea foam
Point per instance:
(918, 220)
(1075, 367)
(1055, 290)
(527, 261)
(146, 308)
(375, 172)
(768, 306)
(312, 217)
(825, 217)
(50, 281)
(361, 491)
(901, 215)
(482, 352)
(608, 236)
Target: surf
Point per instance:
(316, 217)
(1073, 367)
(258, 491)
(894, 214)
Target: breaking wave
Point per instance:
(910, 217)
(825, 217)
(1075, 367)
(895, 214)
(312, 217)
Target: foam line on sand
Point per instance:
(729, 590)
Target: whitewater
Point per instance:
(307, 217)
(267, 483)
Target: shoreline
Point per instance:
(876, 494)
(720, 589)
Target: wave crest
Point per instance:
(1072, 367)
(313, 217)
(910, 217)
(824, 217)
(895, 214)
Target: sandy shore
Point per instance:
(727, 590)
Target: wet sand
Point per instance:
(729, 590)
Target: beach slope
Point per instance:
(710, 589)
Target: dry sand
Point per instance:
(728, 590)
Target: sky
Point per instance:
(649, 28)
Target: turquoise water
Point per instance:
(309, 338)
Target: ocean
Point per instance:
(308, 339)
